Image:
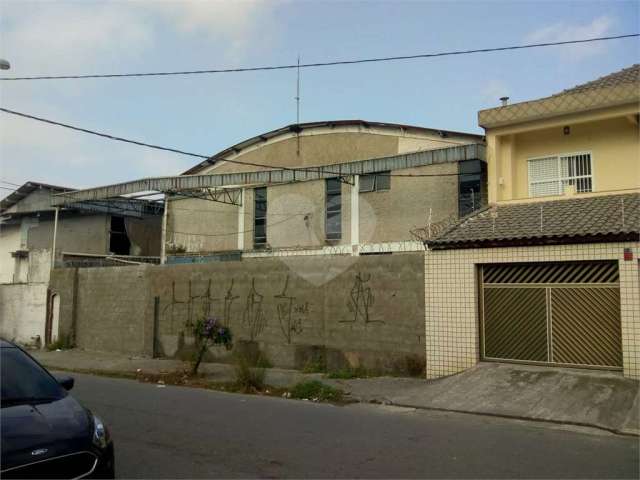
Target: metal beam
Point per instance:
(267, 177)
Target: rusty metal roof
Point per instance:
(618, 88)
(575, 220)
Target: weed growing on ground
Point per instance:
(314, 366)
(316, 391)
(249, 378)
(62, 343)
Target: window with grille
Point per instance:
(260, 217)
(551, 175)
(375, 182)
(333, 222)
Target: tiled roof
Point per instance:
(618, 88)
(611, 217)
(625, 76)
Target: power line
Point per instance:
(10, 183)
(191, 154)
(323, 64)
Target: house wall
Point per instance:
(9, 242)
(613, 142)
(388, 216)
(23, 313)
(451, 299)
(197, 225)
(356, 310)
(77, 233)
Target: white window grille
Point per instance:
(551, 175)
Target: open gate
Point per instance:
(552, 313)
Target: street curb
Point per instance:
(622, 432)
(627, 432)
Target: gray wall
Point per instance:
(366, 310)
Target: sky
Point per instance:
(207, 113)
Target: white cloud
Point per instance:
(67, 37)
(562, 31)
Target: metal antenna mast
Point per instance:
(298, 107)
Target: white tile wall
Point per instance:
(451, 306)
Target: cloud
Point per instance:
(67, 37)
(562, 31)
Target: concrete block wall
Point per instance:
(359, 311)
(452, 318)
(23, 309)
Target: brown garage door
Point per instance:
(556, 313)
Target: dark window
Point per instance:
(260, 217)
(333, 222)
(471, 191)
(119, 242)
(24, 381)
(375, 182)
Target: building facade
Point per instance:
(31, 230)
(548, 272)
(382, 182)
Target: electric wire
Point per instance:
(191, 154)
(322, 64)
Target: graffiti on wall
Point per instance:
(360, 300)
(291, 315)
(253, 318)
(190, 307)
(185, 310)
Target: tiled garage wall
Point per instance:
(452, 322)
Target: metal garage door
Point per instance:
(553, 313)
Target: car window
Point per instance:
(23, 380)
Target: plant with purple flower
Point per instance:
(209, 331)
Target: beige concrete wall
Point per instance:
(388, 216)
(451, 299)
(201, 226)
(357, 310)
(23, 313)
(315, 147)
(322, 149)
(614, 144)
(84, 234)
(295, 215)
(9, 242)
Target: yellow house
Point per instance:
(583, 139)
(548, 273)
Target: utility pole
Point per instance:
(55, 237)
(163, 236)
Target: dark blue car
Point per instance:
(45, 432)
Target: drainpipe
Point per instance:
(55, 237)
(163, 241)
(355, 216)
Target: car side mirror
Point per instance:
(65, 381)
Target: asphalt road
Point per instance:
(177, 432)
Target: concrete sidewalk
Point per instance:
(570, 396)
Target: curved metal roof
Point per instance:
(299, 127)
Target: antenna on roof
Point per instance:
(298, 107)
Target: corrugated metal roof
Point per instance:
(25, 190)
(558, 221)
